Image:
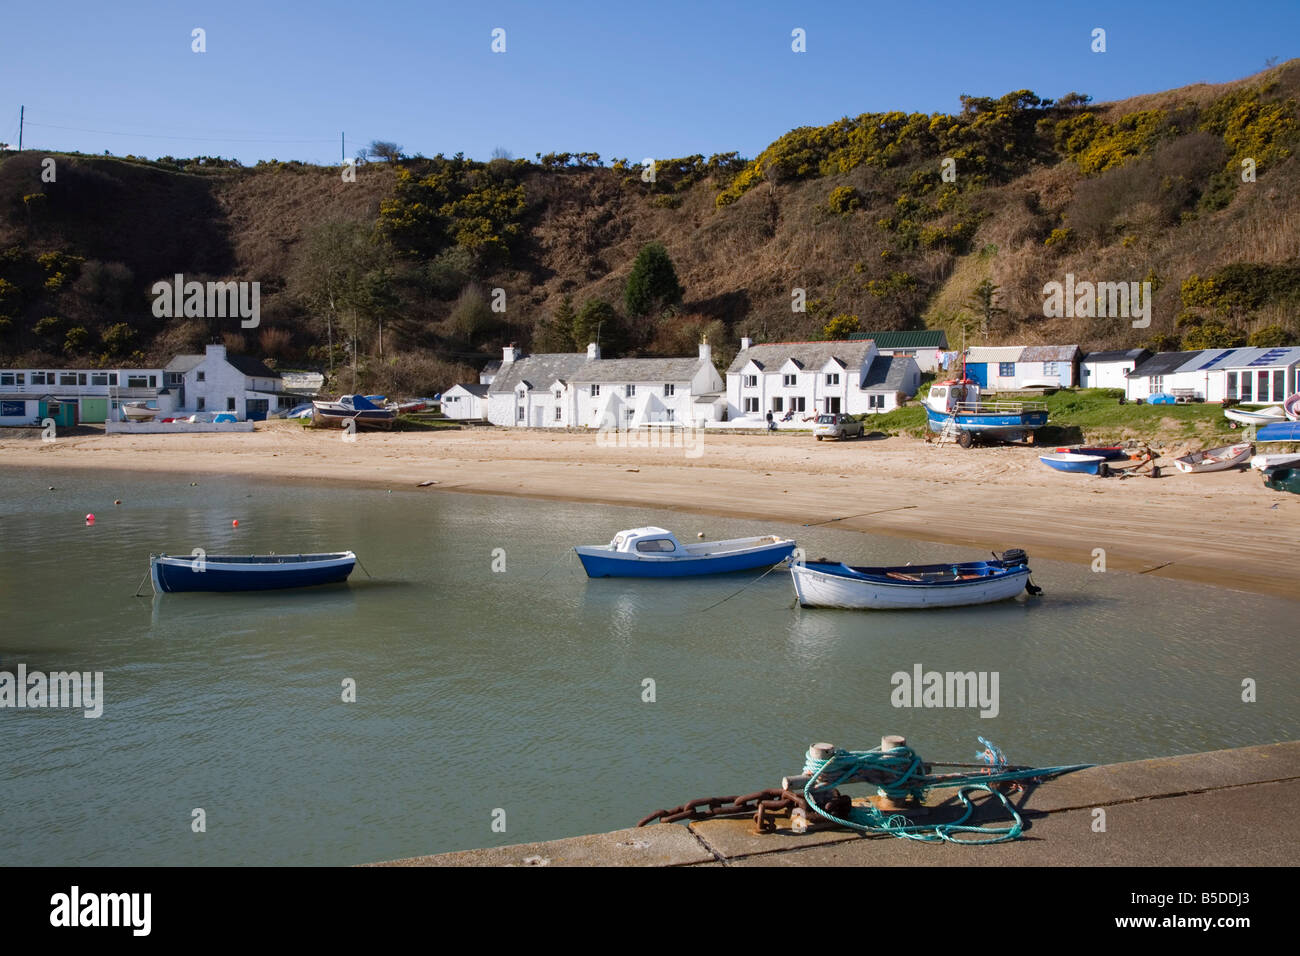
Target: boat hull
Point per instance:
(601, 562)
(326, 417)
(1075, 464)
(1264, 416)
(824, 584)
(1279, 431)
(1011, 425)
(271, 573)
(1229, 456)
(1283, 479)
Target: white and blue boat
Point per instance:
(254, 572)
(1279, 431)
(656, 553)
(956, 405)
(835, 584)
(1078, 464)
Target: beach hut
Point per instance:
(1110, 369)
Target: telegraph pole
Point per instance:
(343, 148)
(21, 110)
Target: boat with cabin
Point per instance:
(138, 412)
(653, 552)
(352, 408)
(956, 406)
(254, 572)
(835, 584)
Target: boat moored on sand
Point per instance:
(652, 552)
(1214, 459)
(352, 408)
(956, 405)
(1078, 464)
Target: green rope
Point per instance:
(910, 780)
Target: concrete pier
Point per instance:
(1224, 808)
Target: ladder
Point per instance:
(949, 433)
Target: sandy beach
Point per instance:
(1225, 529)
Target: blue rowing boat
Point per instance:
(1078, 464)
(254, 572)
(656, 553)
(1279, 431)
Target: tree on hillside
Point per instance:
(841, 327)
(388, 152)
(555, 334)
(331, 275)
(652, 285)
(983, 302)
(597, 322)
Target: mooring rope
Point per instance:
(911, 780)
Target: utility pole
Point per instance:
(21, 110)
(343, 148)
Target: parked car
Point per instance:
(837, 426)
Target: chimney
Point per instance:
(508, 355)
(745, 343)
(593, 352)
(706, 353)
(216, 351)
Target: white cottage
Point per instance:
(217, 382)
(465, 402)
(536, 391)
(1255, 375)
(635, 392)
(1110, 369)
(796, 381)
(1012, 367)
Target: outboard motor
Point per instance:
(1015, 556)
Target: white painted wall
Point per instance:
(461, 404)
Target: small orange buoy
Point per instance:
(90, 519)
(235, 523)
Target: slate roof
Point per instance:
(183, 363)
(478, 390)
(492, 367)
(1163, 363)
(886, 373)
(918, 339)
(251, 367)
(638, 370)
(545, 367)
(809, 355)
(1130, 355)
(1050, 353)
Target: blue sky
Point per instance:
(666, 78)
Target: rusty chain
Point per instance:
(764, 806)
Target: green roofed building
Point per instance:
(926, 345)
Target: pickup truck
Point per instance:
(836, 426)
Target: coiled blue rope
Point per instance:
(910, 780)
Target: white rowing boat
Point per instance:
(1214, 459)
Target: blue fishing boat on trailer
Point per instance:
(254, 572)
(656, 553)
(955, 406)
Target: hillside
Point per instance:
(858, 213)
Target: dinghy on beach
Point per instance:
(1079, 464)
(835, 584)
(1214, 459)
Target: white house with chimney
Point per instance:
(797, 381)
(583, 390)
(217, 382)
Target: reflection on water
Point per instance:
(522, 689)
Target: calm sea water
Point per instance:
(522, 690)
